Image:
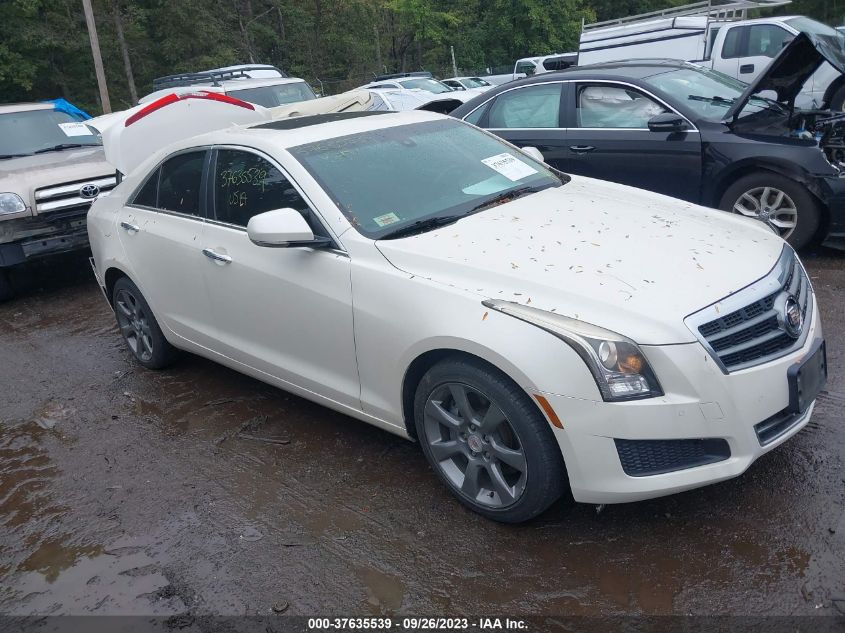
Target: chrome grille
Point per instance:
(752, 331)
(66, 197)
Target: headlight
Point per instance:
(618, 365)
(11, 203)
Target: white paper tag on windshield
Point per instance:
(509, 166)
(386, 219)
(75, 129)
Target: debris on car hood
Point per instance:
(542, 250)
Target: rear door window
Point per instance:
(180, 183)
(530, 107)
(733, 48)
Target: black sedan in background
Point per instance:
(688, 132)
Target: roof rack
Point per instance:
(423, 73)
(730, 10)
(209, 76)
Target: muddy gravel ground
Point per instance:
(198, 490)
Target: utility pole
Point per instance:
(454, 65)
(98, 58)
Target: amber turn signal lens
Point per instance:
(631, 364)
(547, 409)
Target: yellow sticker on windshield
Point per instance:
(386, 219)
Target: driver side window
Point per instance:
(602, 106)
(246, 184)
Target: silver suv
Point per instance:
(261, 84)
(52, 168)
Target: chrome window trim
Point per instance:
(613, 82)
(767, 285)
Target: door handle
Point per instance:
(582, 149)
(746, 68)
(223, 259)
(130, 228)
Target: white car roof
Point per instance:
(265, 134)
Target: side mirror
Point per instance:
(668, 122)
(283, 228)
(534, 153)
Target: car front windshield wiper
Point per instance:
(506, 196)
(421, 226)
(61, 146)
(4, 156)
(714, 99)
(767, 103)
(427, 224)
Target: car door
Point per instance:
(763, 43)
(161, 231)
(609, 138)
(284, 311)
(528, 116)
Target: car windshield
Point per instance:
(387, 179)
(28, 132)
(806, 25)
(277, 95)
(430, 85)
(707, 93)
(475, 82)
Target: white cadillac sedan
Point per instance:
(534, 332)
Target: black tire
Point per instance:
(524, 431)
(136, 322)
(7, 290)
(807, 207)
(837, 101)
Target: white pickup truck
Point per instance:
(739, 48)
(528, 66)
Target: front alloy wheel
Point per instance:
(487, 440)
(769, 205)
(783, 204)
(474, 445)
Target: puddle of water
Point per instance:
(90, 581)
(385, 592)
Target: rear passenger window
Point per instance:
(731, 47)
(180, 183)
(246, 184)
(530, 107)
(147, 195)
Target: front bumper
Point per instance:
(701, 402)
(34, 238)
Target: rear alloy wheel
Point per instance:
(139, 327)
(487, 441)
(783, 204)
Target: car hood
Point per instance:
(621, 258)
(793, 66)
(26, 174)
